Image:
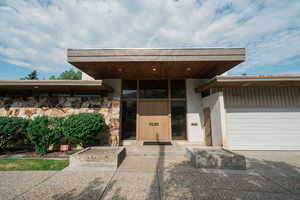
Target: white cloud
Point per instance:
(26, 65)
(36, 35)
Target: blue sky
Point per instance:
(34, 34)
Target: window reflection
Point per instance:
(129, 88)
(178, 119)
(177, 88)
(154, 89)
(129, 120)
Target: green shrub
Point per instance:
(82, 128)
(43, 131)
(12, 129)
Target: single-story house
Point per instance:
(177, 95)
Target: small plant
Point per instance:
(82, 128)
(44, 131)
(12, 129)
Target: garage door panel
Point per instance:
(265, 129)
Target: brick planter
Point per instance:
(215, 158)
(99, 157)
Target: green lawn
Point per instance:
(32, 164)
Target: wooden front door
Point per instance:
(154, 123)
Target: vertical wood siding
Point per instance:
(261, 97)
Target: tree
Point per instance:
(52, 77)
(68, 75)
(31, 76)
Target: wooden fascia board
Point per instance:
(221, 81)
(148, 55)
(56, 83)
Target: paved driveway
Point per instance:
(271, 175)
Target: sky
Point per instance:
(34, 34)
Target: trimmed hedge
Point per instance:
(12, 129)
(82, 128)
(44, 131)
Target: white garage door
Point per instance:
(263, 129)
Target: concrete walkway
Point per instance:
(271, 175)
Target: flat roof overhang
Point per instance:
(54, 85)
(155, 63)
(251, 81)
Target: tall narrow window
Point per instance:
(178, 120)
(129, 120)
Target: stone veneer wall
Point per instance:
(61, 106)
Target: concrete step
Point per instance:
(97, 164)
(154, 150)
(85, 169)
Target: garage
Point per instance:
(254, 112)
(263, 129)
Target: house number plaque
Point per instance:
(153, 124)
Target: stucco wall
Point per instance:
(61, 106)
(116, 84)
(86, 77)
(218, 118)
(194, 116)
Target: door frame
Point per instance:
(169, 99)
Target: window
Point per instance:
(129, 89)
(177, 88)
(178, 119)
(153, 89)
(129, 120)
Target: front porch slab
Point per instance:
(215, 158)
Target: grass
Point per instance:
(7, 164)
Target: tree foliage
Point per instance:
(68, 75)
(31, 76)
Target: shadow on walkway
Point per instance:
(263, 180)
(177, 179)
